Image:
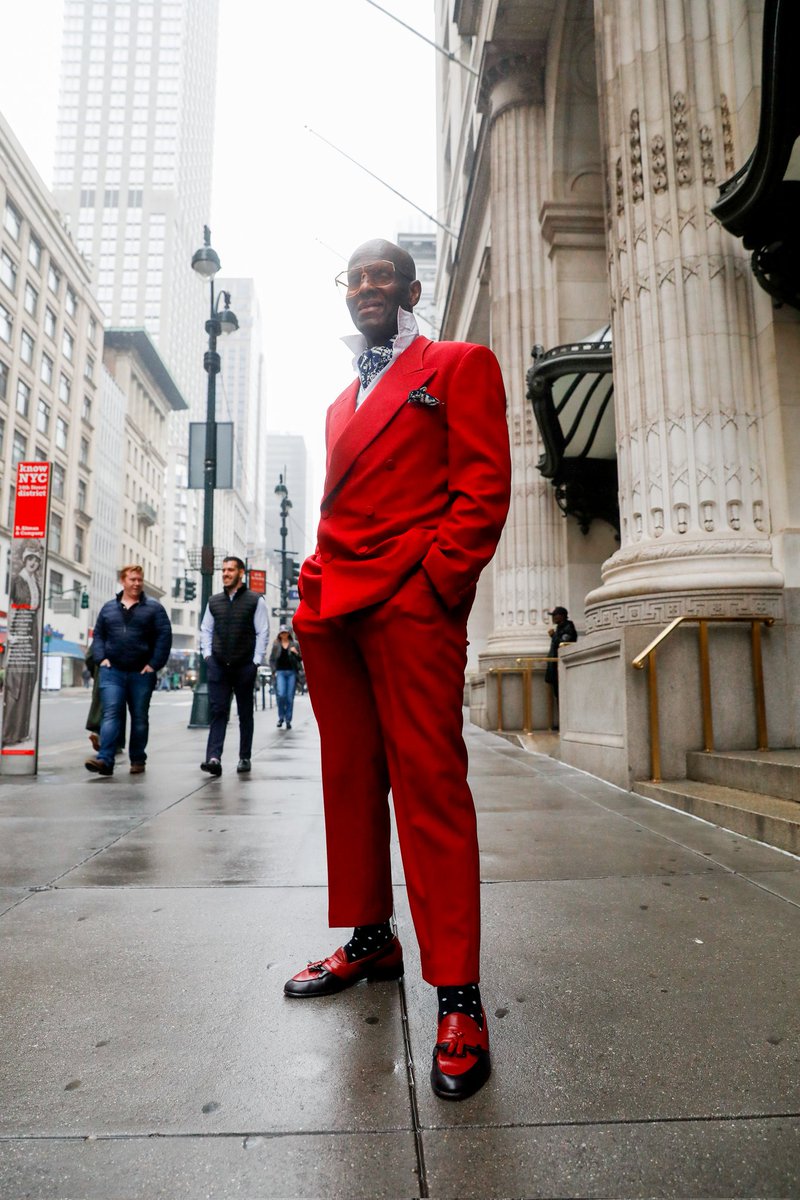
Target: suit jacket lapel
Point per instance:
(339, 413)
(354, 433)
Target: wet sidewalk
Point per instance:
(640, 973)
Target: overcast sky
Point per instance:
(286, 209)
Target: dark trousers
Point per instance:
(224, 682)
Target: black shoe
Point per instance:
(288, 724)
(243, 767)
(213, 766)
(280, 723)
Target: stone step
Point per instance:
(771, 772)
(768, 819)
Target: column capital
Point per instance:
(511, 74)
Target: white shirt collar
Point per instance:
(407, 330)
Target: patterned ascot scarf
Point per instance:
(372, 362)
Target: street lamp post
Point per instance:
(205, 262)
(282, 491)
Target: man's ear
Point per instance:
(414, 293)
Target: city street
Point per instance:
(640, 979)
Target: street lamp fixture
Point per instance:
(206, 263)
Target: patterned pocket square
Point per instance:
(421, 395)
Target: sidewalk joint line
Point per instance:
(416, 1125)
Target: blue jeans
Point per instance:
(285, 683)
(118, 688)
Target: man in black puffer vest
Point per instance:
(233, 637)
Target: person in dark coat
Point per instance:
(563, 630)
(132, 641)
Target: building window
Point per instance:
(86, 411)
(2, 434)
(54, 540)
(26, 347)
(19, 448)
(83, 456)
(5, 324)
(23, 398)
(34, 252)
(53, 279)
(83, 492)
(88, 369)
(31, 299)
(71, 302)
(56, 583)
(46, 372)
(12, 495)
(8, 271)
(43, 416)
(79, 540)
(92, 330)
(12, 221)
(50, 323)
(62, 433)
(59, 476)
(3, 380)
(41, 454)
(63, 389)
(67, 344)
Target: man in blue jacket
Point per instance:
(132, 641)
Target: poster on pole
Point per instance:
(258, 581)
(19, 739)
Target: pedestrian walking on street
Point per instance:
(233, 638)
(415, 498)
(562, 631)
(284, 659)
(132, 641)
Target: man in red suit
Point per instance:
(416, 494)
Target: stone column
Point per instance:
(529, 571)
(693, 499)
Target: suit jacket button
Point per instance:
(389, 464)
(327, 557)
(362, 549)
(369, 510)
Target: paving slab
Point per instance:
(139, 1012)
(626, 1000)
(532, 844)
(628, 1161)
(31, 855)
(348, 1166)
(187, 848)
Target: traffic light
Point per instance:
(189, 589)
(294, 571)
(84, 599)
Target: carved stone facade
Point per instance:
(588, 191)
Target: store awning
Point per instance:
(571, 389)
(64, 648)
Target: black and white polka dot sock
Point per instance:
(367, 939)
(462, 997)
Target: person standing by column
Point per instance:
(284, 659)
(233, 638)
(416, 494)
(562, 630)
(132, 641)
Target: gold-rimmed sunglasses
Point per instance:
(377, 274)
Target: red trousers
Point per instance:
(386, 684)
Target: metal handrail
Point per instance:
(647, 658)
(525, 668)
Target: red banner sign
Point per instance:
(258, 581)
(19, 742)
(30, 508)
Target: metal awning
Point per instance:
(572, 389)
(760, 203)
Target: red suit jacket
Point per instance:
(419, 474)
